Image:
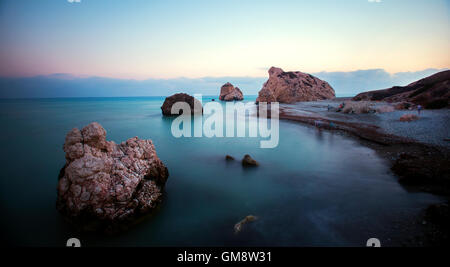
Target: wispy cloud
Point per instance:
(374, 1)
(66, 85)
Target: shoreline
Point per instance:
(419, 167)
(431, 173)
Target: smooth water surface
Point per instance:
(315, 189)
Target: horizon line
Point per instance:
(86, 76)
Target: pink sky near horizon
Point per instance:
(142, 40)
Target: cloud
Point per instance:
(374, 1)
(66, 85)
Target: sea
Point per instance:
(316, 188)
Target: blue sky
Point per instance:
(158, 47)
(140, 39)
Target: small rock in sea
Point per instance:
(248, 161)
(247, 219)
(194, 104)
(230, 93)
(409, 118)
(104, 185)
(228, 157)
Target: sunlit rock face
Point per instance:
(230, 93)
(291, 87)
(104, 183)
(432, 92)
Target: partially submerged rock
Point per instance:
(103, 184)
(247, 219)
(230, 93)
(194, 104)
(229, 158)
(291, 87)
(248, 161)
(409, 118)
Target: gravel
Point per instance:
(433, 126)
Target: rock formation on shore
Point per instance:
(166, 108)
(230, 93)
(291, 87)
(431, 92)
(409, 118)
(104, 184)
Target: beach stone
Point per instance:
(409, 118)
(248, 161)
(238, 226)
(403, 105)
(103, 183)
(166, 108)
(291, 87)
(230, 93)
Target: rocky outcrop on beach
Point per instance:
(431, 92)
(291, 87)
(229, 158)
(194, 104)
(103, 183)
(427, 169)
(230, 93)
(409, 118)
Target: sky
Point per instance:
(345, 84)
(169, 39)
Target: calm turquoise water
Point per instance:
(315, 189)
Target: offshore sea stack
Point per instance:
(104, 185)
(230, 93)
(432, 92)
(194, 104)
(291, 87)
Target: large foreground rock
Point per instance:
(230, 93)
(291, 87)
(166, 108)
(431, 92)
(103, 183)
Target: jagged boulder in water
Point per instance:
(194, 104)
(291, 87)
(230, 93)
(104, 184)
